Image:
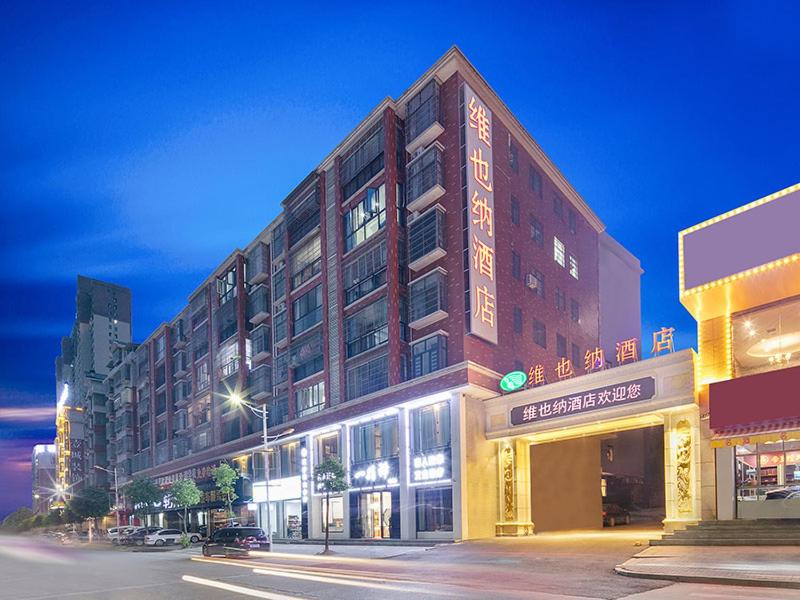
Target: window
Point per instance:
(561, 301)
(303, 217)
(226, 286)
(279, 284)
(306, 357)
(307, 310)
(516, 265)
(328, 447)
(422, 110)
(161, 402)
(363, 161)
(368, 377)
(281, 367)
(573, 266)
(336, 517)
(536, 282)
(558, 206)
(161, 431)
(423, 173)
(290, 464)
(366, 328)
(513, 155)
(576, 356)
(226, 321)
(279, 326)
(559, 252)
(160, 348)
(765, 339)
(160, 375)
(365, 219)
(145, 435)
(573, 221)
(230, 430)
(575, 311)
(202, 376)
(426, 234)
(514, 210)
(535, 181)
(429, 355)
(365, 273)
(431, 427)
(561, 346)
(374, 440)
(278, 240)
(428, 295)
(517, 320)
(310, 399)
(537, 233)
(306, 262)
(539, 333)
(435, 509)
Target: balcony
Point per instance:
(182, 393)
(180, 364)
(261, 338)
(257, 265)
(179, 337)
(260, 382)
(423, 118)
(181, 422)
(426, 243)
(424, 179)
(258, 304)
(428, 302)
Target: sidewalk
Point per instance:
(772, 566)
(349, 550)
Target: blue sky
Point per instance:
(140, 144)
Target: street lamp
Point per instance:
(116, 490)
(261, 412)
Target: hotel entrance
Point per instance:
(609, 480)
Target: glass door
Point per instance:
(376, 514)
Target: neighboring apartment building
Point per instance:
(43, 477)
(434, 249)
(102, 320)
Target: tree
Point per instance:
(144, 495)
(185, 493)
(225, 478)
(18, 520)
(90, 503)
(330, 479)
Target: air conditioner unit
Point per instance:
(531, 281)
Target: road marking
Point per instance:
(237, 589)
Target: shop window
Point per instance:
(431, 426)
(374, 440)
(767, 472)
(290, 454)
(435, 509)
(335, 518)
(766, 339)
(328, 447)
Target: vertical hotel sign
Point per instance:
(481, 224)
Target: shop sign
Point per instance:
(286, 488)
(513, 381)
(481, 222)
(430, 466)
(608, 396)
(380, 473)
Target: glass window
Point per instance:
(307, 310)
(766, 339)
(516, 265)
(366, 328)
(310, 399)
(575, 311)
(306, 262)
(160, 347)
(303, 217)
(573, 266)
(363, 161)
(422, 110)
(539, 333)
(428, 295)
(537, 232)
(365, 219)
(306, 356)
(559, 252)
(368, 377)
(161, 431)
(290, 459)
(561, 346)
(328, 447)
(226, 286)
(423, 173)
(336, 518)
(365, 273)
(573, 221)
(535, 181)
(561, 300)
(435, 509)
(426, 234)
(429, 355)
(517, 319)
(374, 440)
(535, 281)
(279, 329)
(278, 285)
(558, 206)
(513, 155)
(576, 357)
(431, 426)
(514, 210)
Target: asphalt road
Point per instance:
(541, 569)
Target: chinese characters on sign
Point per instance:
(662, 341)
(598, 398)
(480, 198)
(430, 467)
(377, 474)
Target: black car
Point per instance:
(614, 514)
(235, 541)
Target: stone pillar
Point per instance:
(726, 487)
(408, 517)
(515, 489)
(682, 469)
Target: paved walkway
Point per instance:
(774, 566)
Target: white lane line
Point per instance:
(237, 589)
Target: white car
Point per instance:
(116, 533)
(163, 537)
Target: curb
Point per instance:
(773, 583)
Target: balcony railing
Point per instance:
(258, 304)
(428, 300)
(257, 266)
(260, 382)
(261, 338)
(180, 364)
(424, 179)
(426, 242)
(423, 117)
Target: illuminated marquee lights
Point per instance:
(304, 473)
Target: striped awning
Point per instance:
(761, 433)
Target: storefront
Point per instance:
(569, 453)
(285, 506)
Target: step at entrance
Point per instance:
(756, 532)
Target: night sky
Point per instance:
(141, 145)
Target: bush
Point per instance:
(185, 542)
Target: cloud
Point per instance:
(28, 413)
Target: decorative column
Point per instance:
(515, 492)
(681, 470)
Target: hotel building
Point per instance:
(43, 477)
(434, 249)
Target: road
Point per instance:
(553, 568)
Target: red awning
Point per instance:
(757, 433)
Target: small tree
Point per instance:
(330, 478)
(225, 478)
(144, 495)
(90, 503)
(185, 493)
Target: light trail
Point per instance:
(237, 589)
(349, 581)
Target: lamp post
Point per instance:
(116, 490)
(262, 412)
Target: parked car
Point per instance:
(136, 537)
(235, 541)
(787, 493)
(163, 537)
(614, 514)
